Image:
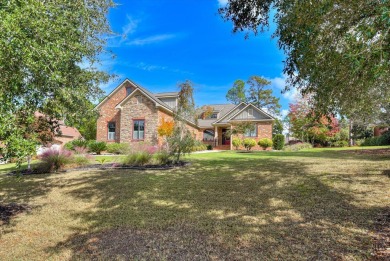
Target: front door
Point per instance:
(225, 138)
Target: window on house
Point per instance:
(214, 116)
(208, 135)
(252, 132)
(139, 99)
(139, 129)
(128, 91)
(111, 130)
(250, 112)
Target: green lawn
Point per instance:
(318, 204)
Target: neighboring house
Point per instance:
(130, 113)
(65, 133)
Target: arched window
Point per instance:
(208, 135)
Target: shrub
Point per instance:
(341, 143)
(209, 147)
(76, 143)
(249, 143)
(54, 160)
(163, 157)
(198, 146)
(118, 148)
(278, 141)
(139, 158)
(80, 150)
(97, 146)
(265, 143)
(236, 143)
(378, 141)
(298, 147)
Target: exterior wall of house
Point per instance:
(170, 101)
(264, 130)
(135, 110)
(256, 115)
(108, 113)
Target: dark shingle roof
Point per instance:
(162, 94)
(221, 108)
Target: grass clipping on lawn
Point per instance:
(317, 205)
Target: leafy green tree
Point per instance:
(277, 127)
(254, 91)
(84, 121)
(337, 50)
(48, 56)
(261, 97)
(236, 94)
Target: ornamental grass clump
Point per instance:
(54, 160)
(118, 148)
(139, 158)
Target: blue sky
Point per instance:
(159, 44)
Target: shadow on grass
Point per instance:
(324, 154)
(218, 209)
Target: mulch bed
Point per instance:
(8, 211)
(107, 166)
(382, 237)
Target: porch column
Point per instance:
(231, 138)
(216, 135)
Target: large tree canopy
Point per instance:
(254, 92)
(48, 55)
(337, 50)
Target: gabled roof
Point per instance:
(226, 114)
(145, 92)
(166, 94)
(254, 107)
(112, 93)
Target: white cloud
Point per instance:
(130, 27)
(280, 83)
(149, 67)
(283, 113)
(153, 67)
(151, 39)
(222, 2)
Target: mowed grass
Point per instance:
(311, 205)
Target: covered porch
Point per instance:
(217, 137)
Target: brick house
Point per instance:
(130, 113)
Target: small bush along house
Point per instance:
(131, 113)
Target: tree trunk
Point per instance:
(350, 133)
(29, 163)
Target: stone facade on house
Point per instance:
(129, 105)
(139, 107)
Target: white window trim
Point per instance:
(139, 99)
(250, 112)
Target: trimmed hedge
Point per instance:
(378, 141)
(265, 143)
(278, 140)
